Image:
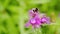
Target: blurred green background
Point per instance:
(14, 15)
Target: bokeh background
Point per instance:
(14, 15)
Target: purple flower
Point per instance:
(35, 20)
(45, 20)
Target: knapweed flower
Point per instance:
(35, 20)
(45, 20)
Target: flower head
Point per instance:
(35, 20)
(45, 20)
